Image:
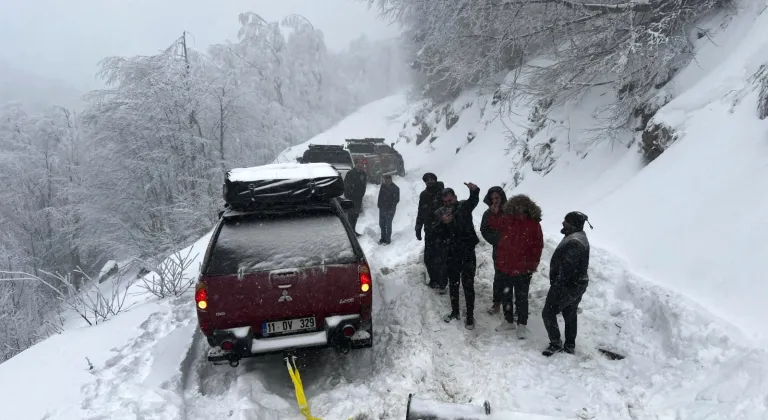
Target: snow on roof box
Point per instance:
(282, 171)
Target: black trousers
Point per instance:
(566, 301)
(386, 216)
(461, 265)
(514, 293)
(497, 289)
(354, 214)
(434, 260)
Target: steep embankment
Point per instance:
(691, 220)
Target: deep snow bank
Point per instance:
(693, 220)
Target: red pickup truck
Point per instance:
(376, 157)
(282, 277)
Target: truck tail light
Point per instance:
(365, 277)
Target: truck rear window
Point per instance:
(341, 158)
(296, 240)
(361, 148)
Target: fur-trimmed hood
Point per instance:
(529, 206)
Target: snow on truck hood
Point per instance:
(282, 171)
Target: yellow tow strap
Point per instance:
(297, 385)
(301, 399)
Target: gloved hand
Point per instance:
(418, 234)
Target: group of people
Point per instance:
(513, 228)
(355, 184)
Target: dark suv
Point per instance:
(284, 278)
(335, 155)
(376, 158)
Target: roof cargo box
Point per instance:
(281, 183)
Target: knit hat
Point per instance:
(577, 219)
(448, 191)
(429, 175)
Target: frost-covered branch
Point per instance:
(171, 277)
(90, 302)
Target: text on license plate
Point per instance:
(289, 325)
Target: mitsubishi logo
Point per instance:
(285, 297)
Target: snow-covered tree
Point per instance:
(561, 47)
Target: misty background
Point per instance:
(50, 49)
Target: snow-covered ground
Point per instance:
(676, 268)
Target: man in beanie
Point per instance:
(568, 280)
(434, 259)
(456, 230)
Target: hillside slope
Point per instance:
(691, 220)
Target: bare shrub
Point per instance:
(169, 277)
(88, 301)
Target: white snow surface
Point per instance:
(282, 171)
(677, 281)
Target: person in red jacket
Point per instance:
(519, 251)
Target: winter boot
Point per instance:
(450, 317)
(522, 332)
(469, 323)
(494, 309)
(552, 349)
(505, 326)
(569, 348)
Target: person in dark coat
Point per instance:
(568, 279)
(430, 200)
(521, 243)
(456, 230)
(355, 183)
(494, 199)
(389, 196)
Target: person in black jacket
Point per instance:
(430, 200)
(456, 231)
(389, 196)
(494, 198)
(568, 280)
(355, 183)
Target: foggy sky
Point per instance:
(65, 39)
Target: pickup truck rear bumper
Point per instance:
(244, 343)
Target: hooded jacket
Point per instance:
(521, 239)
(430, 200)
(491, 235)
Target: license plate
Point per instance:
(288, 326)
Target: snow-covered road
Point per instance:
(680, 363)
